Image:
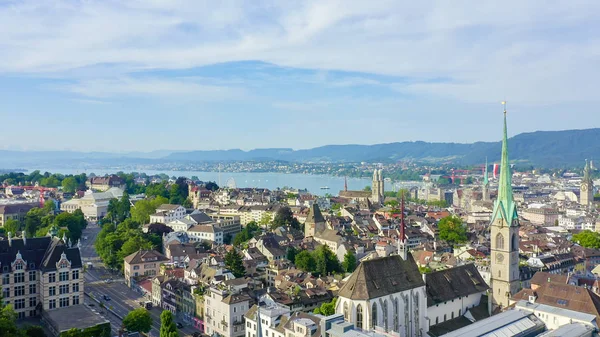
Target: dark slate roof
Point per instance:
(449, 284)
(16, 208)
(381, 277)
(314, 215)
(32, 251)
(54, 252)
(201, 218)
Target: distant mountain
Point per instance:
(541, 148)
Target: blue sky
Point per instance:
(147, 75)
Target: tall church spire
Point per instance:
(505, 206)
(485, 174)
(402, 248)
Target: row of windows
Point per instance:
(63, 302)
(20, 303)
(19, 277)
(19, 291)
(63, 289)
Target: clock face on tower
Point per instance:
(584, 187)
(499, 257)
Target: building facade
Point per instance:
(142, 263)
(166, 213)
(14, 212)
(224, 312)
(105, 183)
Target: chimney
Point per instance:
(9, 239)
(24, 238)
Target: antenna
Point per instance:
(504, 105)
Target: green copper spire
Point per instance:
(504, 206)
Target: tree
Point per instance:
(138, 320)
(211, 186)
(233, 261)
(142, 209)
(12, 226)
(33, 220)
(452, 230)
(349, 263)
(70, 184)
(305, 261)
(159, 229)
(35, 331)
(167, 325)
(326, 261)
(425, 270)
(284, 217)
(587, 239)
(291, 253)
(326, 309)
(367, 189)
(49, 207)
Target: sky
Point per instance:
(144, 75)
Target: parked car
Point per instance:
(179, 325)
(106, 297)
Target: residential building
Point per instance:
(177, 297)
(14, 212)
(541, 216)
(224, 312)
(167, 212)
(105, 183)
(142, 263)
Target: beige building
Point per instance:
(142, 263)
(224, 313)
(40, 273)
(105, 183)
(94, 205)
(541, 216)
(14, 212)
(167, 212)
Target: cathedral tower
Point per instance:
(586, 190)
(377, 195)
(505, 280)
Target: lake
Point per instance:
(312, 183)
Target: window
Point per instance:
(444, 317)
(136, 267)
(19, 290)
(499, 273)
(6, 279)
(514, 243)
(52, 304)
(6, 292)
(75, 287)
(437, 320)
(63, 276)
(63, 289)
(346, 311)
(374, 316)
(385, 315)
(75, 299)
(52, 277)
(64, 302)
(32, 276)
(19, 266)
(359, 316)
(75, 274)
(32, 302)
(51, 291)
(20, 304)
(396, 323)
(499, 241)
(32, 289)
(19, 277)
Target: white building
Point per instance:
(94, 205)
(166, 213)
(224, 312)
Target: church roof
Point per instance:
(314, 215)
(446, 285)
(381, 277)
(505, 206)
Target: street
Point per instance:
(122, 298)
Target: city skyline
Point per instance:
(191, 76)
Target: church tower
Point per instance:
(486, 184)
(505, 280)
(586, 190)
(377, 195)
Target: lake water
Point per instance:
(312, 183)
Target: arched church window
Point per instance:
(374, 316)
(396, 323)
(499, 273)
(359, 316)
(346, 311)
(385, 315)
(515, 243)
(499, 241)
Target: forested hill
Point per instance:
(540, 148)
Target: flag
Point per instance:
(495, 171)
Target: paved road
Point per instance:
(122, 298)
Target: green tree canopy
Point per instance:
(305, 261)
(233, 261)
(246, 233)
(12, 226)
(452, 230)
(138, 320)
(587, 239)
(34, 331)
(326, 309)
(167, 325)
(70, 184)
(349, 263)
(284, 217)
(144, 208)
